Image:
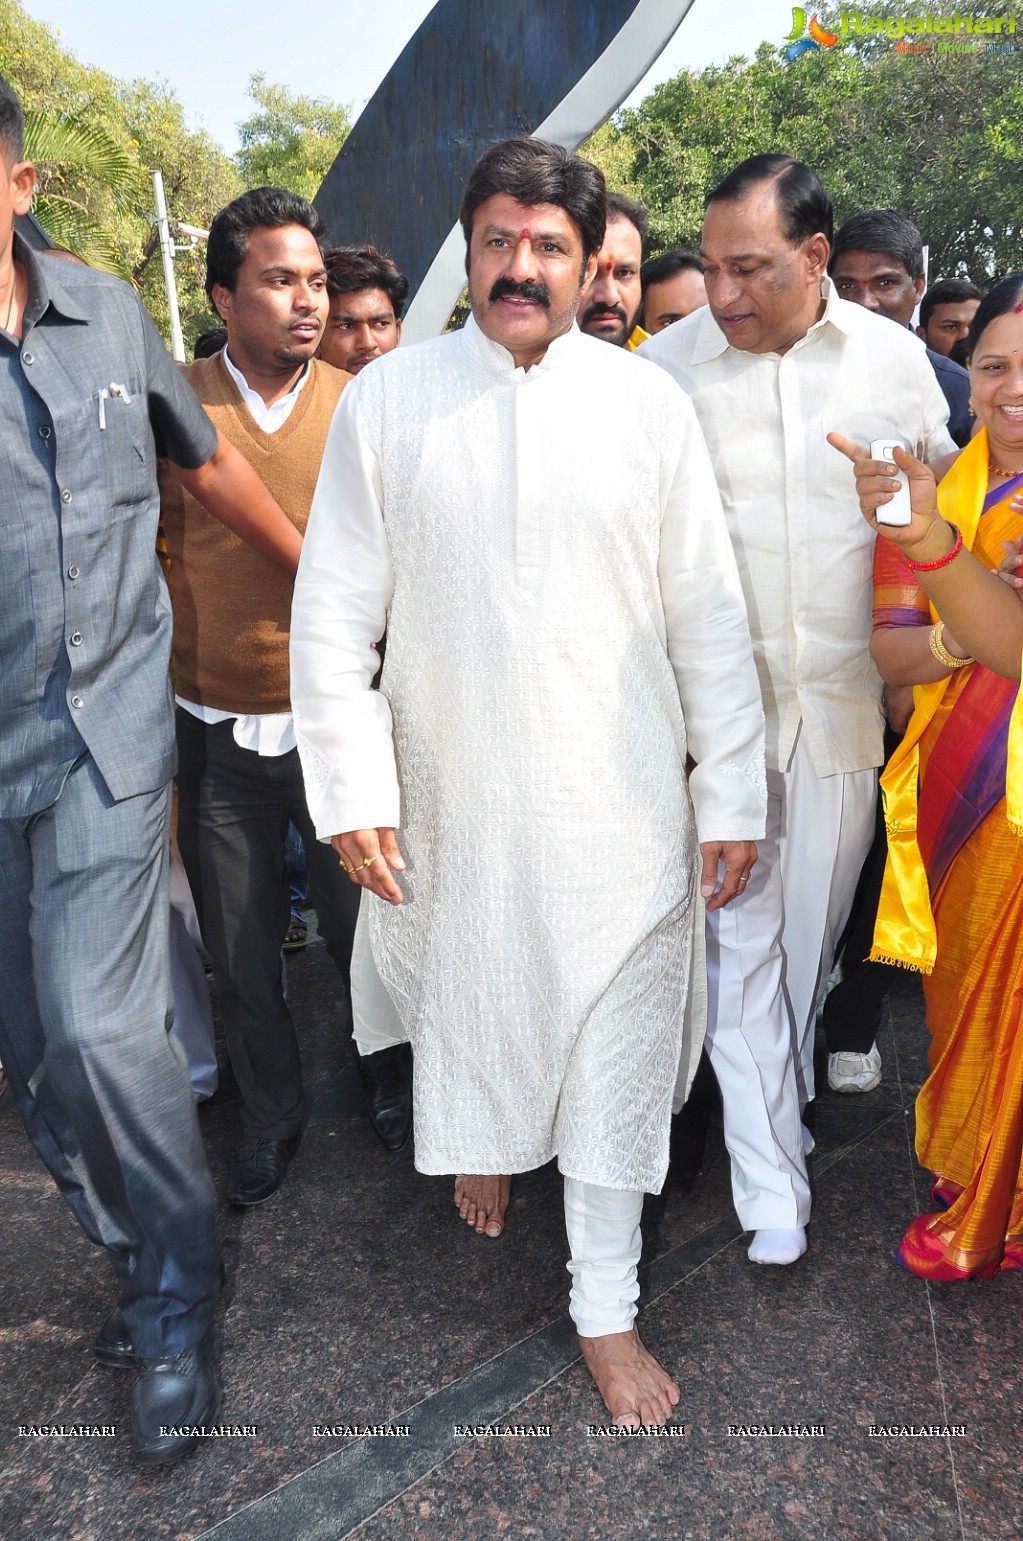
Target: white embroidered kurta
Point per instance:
(564, 620)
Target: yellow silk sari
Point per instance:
(952, 907)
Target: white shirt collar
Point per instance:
(495, 357)
(272, 417)
(711, 341)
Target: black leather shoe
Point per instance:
(387, 1080)
(112, 1345)
(261, 1172)
(173, 1401)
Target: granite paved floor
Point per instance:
(355, 1297)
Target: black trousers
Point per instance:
(234, 810)
(853, 1010)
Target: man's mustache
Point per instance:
(531, 289)
(592, 311)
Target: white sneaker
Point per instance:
(854, 1072)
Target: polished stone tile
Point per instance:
(356, 1296)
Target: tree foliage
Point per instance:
(291, 141)
(97, 141)
(937, 135)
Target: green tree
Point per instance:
(292, 140)
(97, 141)
(937, 135)
(70, 157)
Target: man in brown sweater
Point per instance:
(239, 776)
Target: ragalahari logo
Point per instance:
(819, 36)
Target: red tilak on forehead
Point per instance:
(1016, 309)
(610, 263)
(525, 234)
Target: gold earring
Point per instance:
(971, 408)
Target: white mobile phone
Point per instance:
(899, 511)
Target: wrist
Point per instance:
(936, 542)
(933, 563)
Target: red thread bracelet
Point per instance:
(943, 561)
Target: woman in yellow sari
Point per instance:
(952, 904)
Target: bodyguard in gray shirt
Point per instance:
(88, 398)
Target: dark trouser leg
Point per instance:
(232, 826)
(334, 896)
(85, 1009)
(853, 1009)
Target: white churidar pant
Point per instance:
(605, 1244)
(768, 954)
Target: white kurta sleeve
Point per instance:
(709, 646)
(339, 612)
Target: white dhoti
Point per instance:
(768, 954)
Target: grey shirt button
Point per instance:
(44, 432)
(77, 701)
(72, 572)
(66, 496)
(75, 639)
(28, 358)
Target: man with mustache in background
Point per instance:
(563, 627)
(613, 299)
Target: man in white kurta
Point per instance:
(564, 623)
(772, 364)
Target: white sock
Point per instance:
(780, 1245)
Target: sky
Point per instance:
(207, 52)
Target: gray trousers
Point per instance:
(85, 1007)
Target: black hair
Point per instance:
(536, 171)
(209, 342)
(1004, 296)
(351, 268)
(264, 207)
(959, 352)
(620, 207)
(656, 269)
(947, 291)
(803, 204)
(883, 231)
(12, 124)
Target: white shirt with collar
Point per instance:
(268, 733)
(804, 550)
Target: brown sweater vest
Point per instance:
(232, 606)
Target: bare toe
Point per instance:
(634, 1386)
(482, 1202)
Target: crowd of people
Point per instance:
(580, 739)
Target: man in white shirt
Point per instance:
(773, 364)
(561, 628)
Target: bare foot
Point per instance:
(482, 1202)
(637, 1391)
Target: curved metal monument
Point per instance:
(474, 73)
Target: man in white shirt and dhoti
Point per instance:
(564, 625)
(772, 364)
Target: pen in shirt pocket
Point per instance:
(113, 389)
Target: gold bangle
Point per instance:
(941, 652)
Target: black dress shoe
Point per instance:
(112, 1345)
(261, 1172)
(387, 1080)
(173, 1400)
